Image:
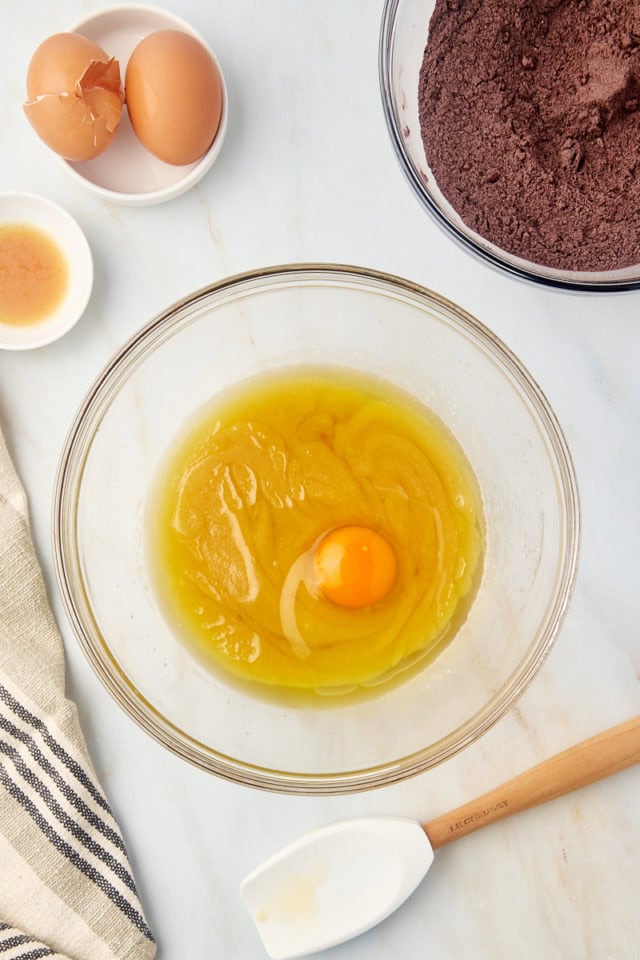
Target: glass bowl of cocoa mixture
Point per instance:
(403, 38)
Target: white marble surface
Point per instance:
(307, 173)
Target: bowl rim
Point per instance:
(576, 284)
(68, 483)
(204, 164)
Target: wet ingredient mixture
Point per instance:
(315, 529)
(530, 119)
(33, 274)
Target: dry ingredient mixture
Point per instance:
(529, 113)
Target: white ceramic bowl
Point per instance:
(37, 211)
(127, 172)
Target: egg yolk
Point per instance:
(354, 566)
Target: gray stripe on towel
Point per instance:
(63, 817)
(35, 954)
(68, 792)
(56, 748)
(73, 856)
(15, 941)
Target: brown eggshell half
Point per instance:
(74, 95)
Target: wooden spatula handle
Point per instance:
(591, 760)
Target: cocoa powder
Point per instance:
(530, 119)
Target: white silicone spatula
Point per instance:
(337, 882)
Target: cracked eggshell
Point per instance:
(75, 96)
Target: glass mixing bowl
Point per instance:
(403, 37)
(316, 314)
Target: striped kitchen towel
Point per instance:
(66, 889)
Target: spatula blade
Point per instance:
(335, 883)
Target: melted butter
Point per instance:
(33, 275)
(265, 472)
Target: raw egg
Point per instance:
(315, 528)
(74, 95)
(173, 92)
(354, 566)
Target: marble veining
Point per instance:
(307, 173)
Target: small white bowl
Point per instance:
(37, 211)
(127, 172)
